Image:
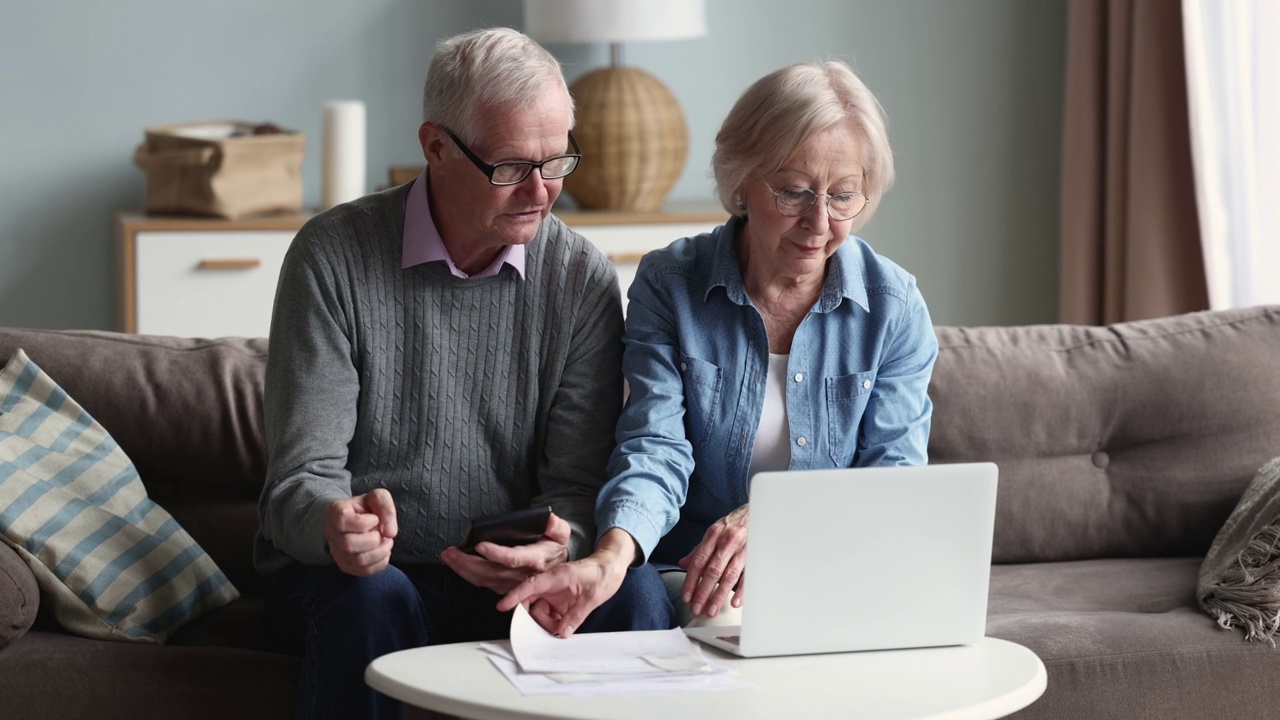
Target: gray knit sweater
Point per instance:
(462, 397)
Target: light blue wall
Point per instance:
(972, 88)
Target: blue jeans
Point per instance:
(340, 623)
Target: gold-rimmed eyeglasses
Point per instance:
(795, 201)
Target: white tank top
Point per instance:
(772, 449)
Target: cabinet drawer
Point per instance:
(208, 284)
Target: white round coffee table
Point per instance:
(989, 679)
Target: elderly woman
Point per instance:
(777, 341)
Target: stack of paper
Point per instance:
(618, 663)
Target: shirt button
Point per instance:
(684, 367)
(799, 377)
(801, 441)
(866, 384)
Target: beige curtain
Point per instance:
(1130, 235)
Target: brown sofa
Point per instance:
(189, 415)
(1121, 450)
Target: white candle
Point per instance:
(344, 152)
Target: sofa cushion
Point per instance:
(1131, 440)
(187, 411)
(1123, 639)
(112, 563)
(19, 596)
(55, 675)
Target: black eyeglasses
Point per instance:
(794, 201)
(513, 173)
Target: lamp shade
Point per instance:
(614, 21)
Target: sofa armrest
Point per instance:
(19, 596)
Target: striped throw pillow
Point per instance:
(111, 563)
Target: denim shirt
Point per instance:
(696, 360)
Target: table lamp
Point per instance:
(630, 127)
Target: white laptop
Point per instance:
(864, 559)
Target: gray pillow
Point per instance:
(1239, 582)
(19, 597)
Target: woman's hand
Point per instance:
(560, 600)
(715, 566)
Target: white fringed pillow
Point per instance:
(110, 563)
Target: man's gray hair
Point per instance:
(783, 110)
(495, 67)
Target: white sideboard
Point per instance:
(204, 277)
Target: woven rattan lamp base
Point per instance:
(633, 137)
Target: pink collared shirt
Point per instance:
(422, 242)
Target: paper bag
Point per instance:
(229, 169)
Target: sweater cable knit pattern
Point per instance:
(462, 397)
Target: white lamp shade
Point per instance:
(614, 21)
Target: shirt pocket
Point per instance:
(847, 397)
(702, 385)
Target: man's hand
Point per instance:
(501, 568)
(715, 565)
(360, 532)
(560, 600)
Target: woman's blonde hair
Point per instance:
(783, 110)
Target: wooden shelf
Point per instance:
(673, 213)
(131, 222)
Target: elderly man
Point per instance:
(442, 350)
